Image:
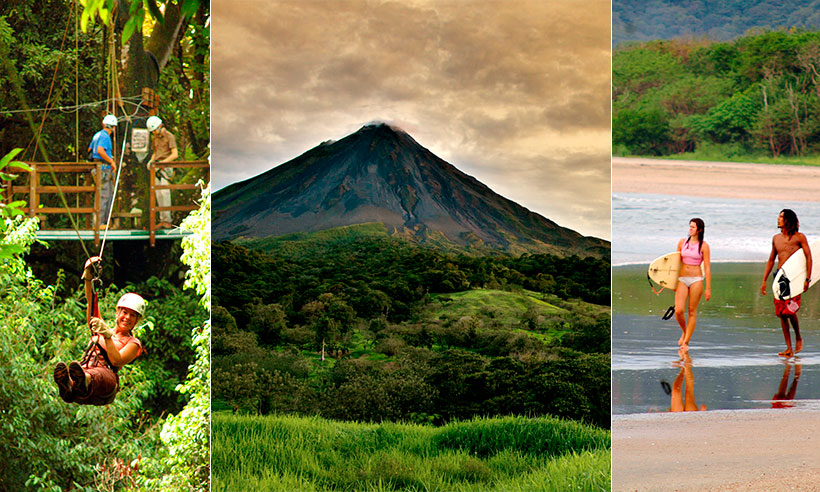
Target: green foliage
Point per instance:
(44, 443)
(730, 120)
(43, 71)
(49, 445)
(758, 93)
(643, 132)
(289, 453)
(168, 339)
(184, 459)
(137, 11)
(8, 211)
(400, 342)
(635, 71)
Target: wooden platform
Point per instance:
(113, 235)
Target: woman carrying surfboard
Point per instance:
(694, 252)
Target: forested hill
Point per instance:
(376, 328)
(758, 94)
(718, 20)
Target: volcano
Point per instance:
(380, 174)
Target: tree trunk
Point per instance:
(145, 58)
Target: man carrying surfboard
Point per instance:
(784, 245)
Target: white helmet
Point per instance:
(110, 120)
(153, 123)
(134, 302)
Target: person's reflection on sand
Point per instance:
(785, 398)
(683, 388)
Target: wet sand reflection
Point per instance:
(784, 398)
(734, 357)
(683, 395)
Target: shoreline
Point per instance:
(722, 262)
(716, 179)
(716, 450)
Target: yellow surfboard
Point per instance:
(665, 269)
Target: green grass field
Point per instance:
(284, 453)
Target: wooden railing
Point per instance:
(86, 197)
(152, 200)
(33, 191)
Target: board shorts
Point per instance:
(787, 307)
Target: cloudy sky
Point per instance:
(514, 93)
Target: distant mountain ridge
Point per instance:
(381, 174)
(723, 20)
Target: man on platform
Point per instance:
(163, 149)
(101, 150)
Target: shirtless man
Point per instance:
(783, 246)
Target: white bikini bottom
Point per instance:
(688, 281)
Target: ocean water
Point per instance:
(646, 226)
(732, 362)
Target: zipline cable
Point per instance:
(116, 185)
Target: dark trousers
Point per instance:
(103, 387)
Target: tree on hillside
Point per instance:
(267, 321)
(331, 320)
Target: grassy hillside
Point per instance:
(282, 453)
(506, 307)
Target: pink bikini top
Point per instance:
(689, 254)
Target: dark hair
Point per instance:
(701, 227)
(790, 222)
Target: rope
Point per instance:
(51, 87)
(76, 86)
(86, 359)
(114, 193)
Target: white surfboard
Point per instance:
(791, 276)
(664, 270)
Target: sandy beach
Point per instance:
(717, 450)
(722, 450)
(716, 179)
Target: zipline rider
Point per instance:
(102, 150)
(94, 380)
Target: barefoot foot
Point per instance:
(798, 346)
(786, 353)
